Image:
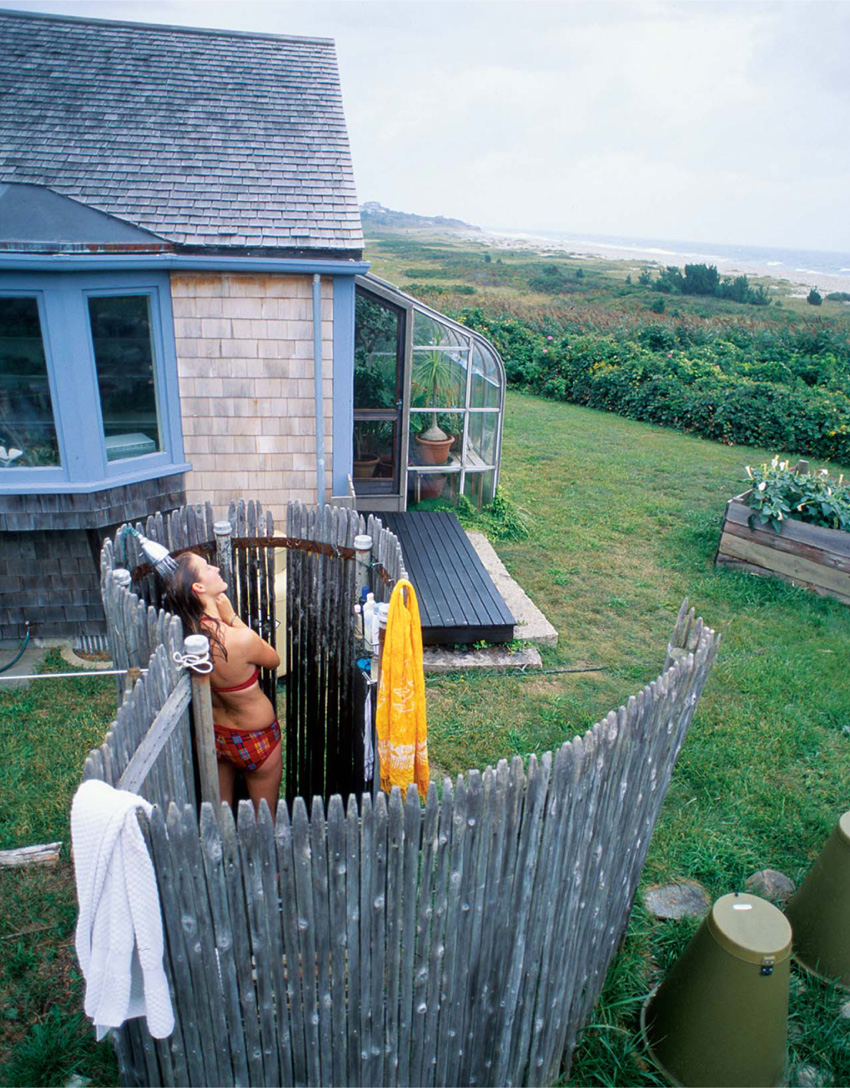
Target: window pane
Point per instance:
(439, 378)
(376, 346)
(435, 447)
(430, 333)
(486, 380)
(482, 437)
(27, 430)
(123, 355)
(374, 448)
(436, 486)
(478, 488)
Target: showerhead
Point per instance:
(156, 554)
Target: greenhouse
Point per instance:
(428, 402)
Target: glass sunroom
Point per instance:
(429, 398)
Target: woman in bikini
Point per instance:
(247, 735)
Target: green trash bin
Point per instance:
(720, 1016)
(820, 911)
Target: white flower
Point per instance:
(762, 485)
(774, 462)
(783, 465)
(749, 472)
(824, 472)
(779, 516)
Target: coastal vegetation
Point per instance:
(717, 357)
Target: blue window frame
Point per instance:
(108, 345)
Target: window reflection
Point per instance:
(486, 381)
(27, 428)
(123, 355)
(376, 344)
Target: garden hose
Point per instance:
(19, 654)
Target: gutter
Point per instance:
(189, 262)
(318, 388)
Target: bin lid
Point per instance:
(750, 928)
(844, 828)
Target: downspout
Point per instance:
(318, 388)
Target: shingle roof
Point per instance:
(204, 137)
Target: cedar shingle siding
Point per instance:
(206, 138)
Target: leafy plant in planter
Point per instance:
(778, 492)
(432, 381)
(370, 437)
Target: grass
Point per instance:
(625, 519)
(46, 733)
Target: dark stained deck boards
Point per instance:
(458, 602)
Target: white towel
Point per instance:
(119, 938)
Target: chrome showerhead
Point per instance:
(156, 554)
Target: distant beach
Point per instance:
(827, 271)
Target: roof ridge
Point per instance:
(50, 16)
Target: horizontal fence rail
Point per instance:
(463, 942)
(148, 748)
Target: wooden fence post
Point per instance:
(363, 568)
(122, 580)
(197, 649)
(223, 552)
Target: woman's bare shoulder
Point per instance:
(247, 644)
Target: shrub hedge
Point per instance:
(786, 390)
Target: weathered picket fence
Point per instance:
(387, 943)
(323, 733)
(148, 748)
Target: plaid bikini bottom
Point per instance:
(248, 751)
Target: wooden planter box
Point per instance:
(803, 554)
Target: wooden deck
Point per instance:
(458, 602)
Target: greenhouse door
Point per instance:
(380, 331)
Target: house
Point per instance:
(185, 314)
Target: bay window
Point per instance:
(88, 381)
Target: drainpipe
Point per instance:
(318, 388)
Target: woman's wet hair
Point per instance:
(181, 599)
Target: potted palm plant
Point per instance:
(433, 377)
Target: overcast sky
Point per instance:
(713, 122)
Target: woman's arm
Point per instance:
(245, 641)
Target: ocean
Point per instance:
(828, 271)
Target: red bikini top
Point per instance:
(252, 679)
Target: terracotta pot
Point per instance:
(433, 453)
(363, 470)
(431, 486)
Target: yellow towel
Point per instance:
(400, 718)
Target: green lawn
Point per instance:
(46, 733)
(625, 519)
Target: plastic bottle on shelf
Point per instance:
(379, 630)
(368, 618)
(358, 621)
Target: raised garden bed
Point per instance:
(803, 554)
